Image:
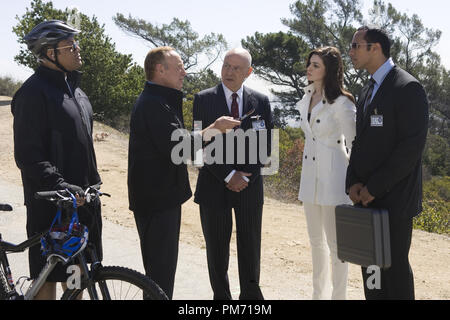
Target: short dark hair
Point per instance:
(375, 35)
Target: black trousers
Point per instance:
(397, 282)
(159, 233)
(217, 226)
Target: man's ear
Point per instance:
(159, 69)
(51, 53)
(249, 72)
(377, 47)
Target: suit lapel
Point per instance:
(360, 108)
(381, 92)
(221, 102)
(248, 102)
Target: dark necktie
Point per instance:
(234, 106)
(369, 94)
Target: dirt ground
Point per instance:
(286, 269)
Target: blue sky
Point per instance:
(235, 19)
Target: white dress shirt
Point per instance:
(229, 98)
(380, 74)
(240, 101)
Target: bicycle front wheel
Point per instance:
(3, 286)
(117, 283)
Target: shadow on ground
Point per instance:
(5, 103)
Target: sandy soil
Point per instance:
(286, 269)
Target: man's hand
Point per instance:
(237, 182)
(76, 191)
(80, 200)
(365, 196)
(221, 125)
(354, 192)
(225, 123)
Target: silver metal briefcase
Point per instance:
(362, 235)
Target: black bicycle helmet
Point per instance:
(48, 34)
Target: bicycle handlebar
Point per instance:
(5, 207)
(48, 195)
(90, 193)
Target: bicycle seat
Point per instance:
(64, 242)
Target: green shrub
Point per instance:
(436, 155)
(284, 185)
(436, 206)
(8, 86)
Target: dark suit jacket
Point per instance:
(154, 181)
(388, 158)
(211, 188)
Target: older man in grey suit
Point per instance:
(224, 185)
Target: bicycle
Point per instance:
(98, 280)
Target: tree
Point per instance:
(412, 50)
(279, 59)
(197, 54)
(180, 36)
(318, 23)
(110, 79)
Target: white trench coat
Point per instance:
(328, 135)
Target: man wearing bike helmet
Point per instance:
(53, 144)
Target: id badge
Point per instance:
(259, 124)
(376, 120)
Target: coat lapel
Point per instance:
(321, 105)
(248, 102)
(304, 107)
(316, 111)
(360, 108)
(381, 92)
(221, 102)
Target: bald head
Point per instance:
(236, 68)
(242, 53)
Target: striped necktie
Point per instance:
(369, 94)
(234, 106)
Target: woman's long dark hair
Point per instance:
(334, 73)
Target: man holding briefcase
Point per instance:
(386, 159)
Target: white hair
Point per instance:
(241, 52)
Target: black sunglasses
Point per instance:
(73, 47)
(355, 45)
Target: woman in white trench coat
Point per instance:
(328, 119)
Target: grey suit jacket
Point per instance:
(211, 188)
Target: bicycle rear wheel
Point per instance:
(121, 283)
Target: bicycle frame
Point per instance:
(39, 282)
(48, 268)
(9, 247)
(87, 273)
